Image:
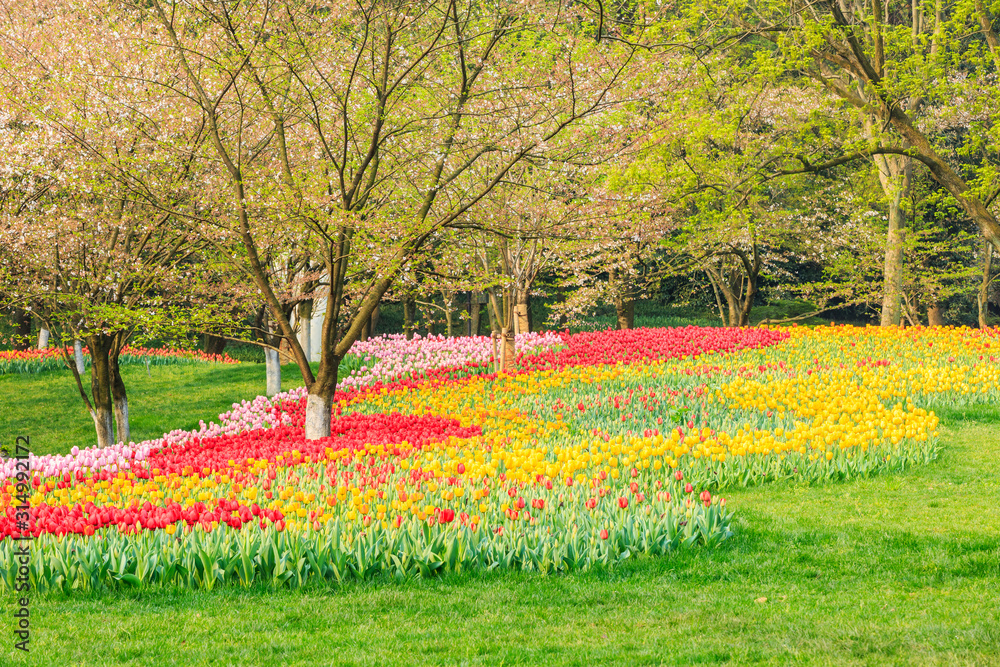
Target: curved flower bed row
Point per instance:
(393, 357)
(582, 457)
(36, 361)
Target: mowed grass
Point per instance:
(47, 407)
(899, 569)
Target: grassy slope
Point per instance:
(901, 569)
(48, 408)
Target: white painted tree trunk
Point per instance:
(272, 366)
(104, 425)
(78, 354)
(43, 338)
(317, 417)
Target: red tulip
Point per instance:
(604, 534)
(622, 502)
(688, 488)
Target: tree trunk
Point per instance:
(502, 313)
(892, 282)
(734, 309)
(120, 399)
(305, 327)
(409, 306)
(272, 371)
(475, 309)
(284, 352)
(373, 320)
(43, 338)
(101, 409)
(746, 303)
(78, 359)
(494, 325)
(718, 298)
(213, 344)
(272, 358)
(984, 287)
(509, 350)
(894, 175)
(365, 330)
(319, 402)
(522, 311)
(22, 329)
(935, 317)
(745, 306)
(625, 312)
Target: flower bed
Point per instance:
(582, 456)
(393, 357)
(36, 361)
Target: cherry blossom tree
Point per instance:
(383, 123)
(91, 260)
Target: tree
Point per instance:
(90, 260)
(387, 121)
(873, 57)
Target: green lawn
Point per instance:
(900, 570)
(48, 408)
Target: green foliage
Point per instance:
(332, 554)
